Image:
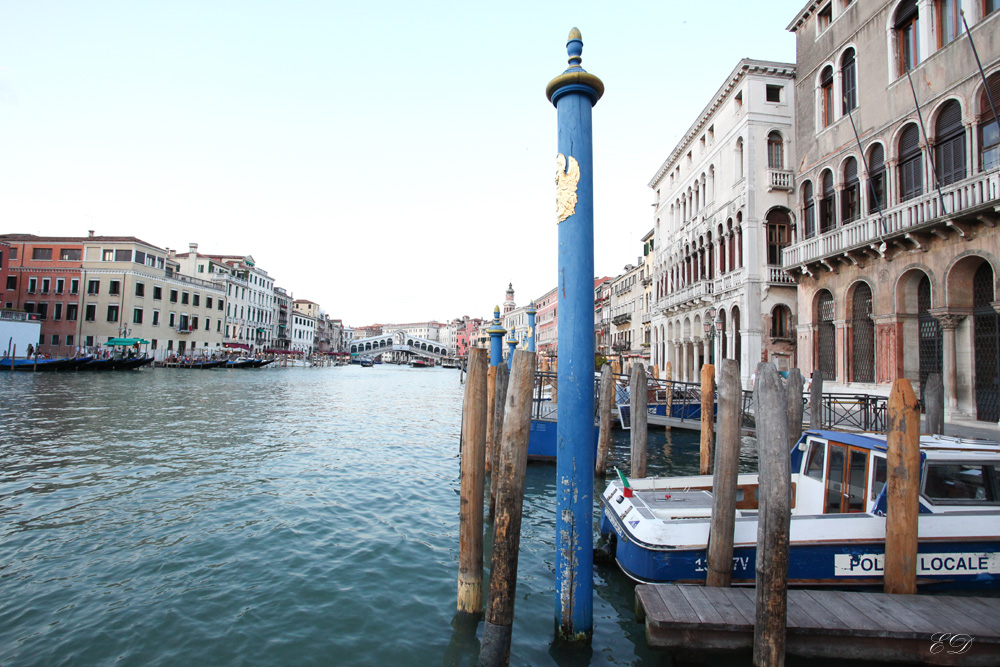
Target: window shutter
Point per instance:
(909, 142)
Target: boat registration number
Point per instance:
(873, 565)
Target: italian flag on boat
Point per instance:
(625, 484)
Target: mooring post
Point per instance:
(13, 356)
(496, 332)
(639, 433)
(574, 93)
(668, 382)
(470, 548)
(816, 401)
(500, 405)
(793, 395)
(773, 518)
(902, 489)
(531, 327)
(511, 346)
(934, 404)
(606, 396)
(707, 417)
(726, 471)
(510, 470)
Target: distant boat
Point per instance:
(367, 362)
(114, 364)
(421, 362)
(195, 365)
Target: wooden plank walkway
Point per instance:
(928, 629)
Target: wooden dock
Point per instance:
(928, 629)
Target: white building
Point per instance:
(723, 215)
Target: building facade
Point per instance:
(896, 251)
(723, 210)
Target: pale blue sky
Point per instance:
(393, 161)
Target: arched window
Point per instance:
(949, 149)
(876, 179)
(775, 151)
(989, 136)
(826, 95)
(906, 28)
(778, 235)
(850, 206)
(948, 21)
(781, 322)
(808, 210)
(739, 158)
(911, 173)
(828, 204)
(826, 336)
(849, 80)
(862, 335)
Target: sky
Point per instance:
(391, 161)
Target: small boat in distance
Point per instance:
(657, 528)
(421, 362)
(367, 362)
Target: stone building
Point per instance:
(626, 308)
(722, 216)
(896, 251)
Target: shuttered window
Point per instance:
(808, 210)
(989, 136)
(828, 205)
(876, 174)
(949, 151)
(849, 80)
(911, 174)
(826, 88)
(850, 206)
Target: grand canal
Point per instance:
(263, 517)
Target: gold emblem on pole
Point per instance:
(566, 180)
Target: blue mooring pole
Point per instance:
(531, 326)
(511, 346)
(496, 333)
(574, 94)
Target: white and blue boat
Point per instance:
(657, 528)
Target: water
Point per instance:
(264, 517)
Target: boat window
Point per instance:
(960, 483)
(857, 477)
(878, 476)
(835, 479)
(815, 459)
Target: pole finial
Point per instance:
(575, 78)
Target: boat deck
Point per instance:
(931, 629)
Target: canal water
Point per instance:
(265, 517)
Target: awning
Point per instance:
(236, 346)
(127, 341)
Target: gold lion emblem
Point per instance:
(566, 181)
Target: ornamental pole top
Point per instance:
(575, 78)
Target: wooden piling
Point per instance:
(555, 381)
(902, 489)
(495, 646)
(793, 395)
(491, 392)
(499, 405)
(668, 382)
(816, 401)
(607, 401)
(639, 430)
(934, 404)
(707, 417)
(13, 356)
(727, 461)
(773, 518)
(470, 550)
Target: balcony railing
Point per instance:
(775, 274)
(780, 179)
(898, 220)
(14, 316)
(699, 291)
(621, 319)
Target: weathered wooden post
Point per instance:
(13, 356)
(470, 548)
(510, 470)
(934, 404)
(774, 516)
(606, 396)
(816, 401)
(554, 366)
(902, 489)
(639, 433)
(500, 405)
(793, 394)
(574, 93)
(496, 333)
(668, 382)
(724, 481)
(707, 417)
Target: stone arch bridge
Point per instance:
(398, 341)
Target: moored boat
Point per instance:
(39, 365)
(657, 528)
(367, 362)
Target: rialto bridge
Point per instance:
(397, 341)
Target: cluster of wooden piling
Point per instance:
(496, 423)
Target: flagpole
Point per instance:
(930, 149)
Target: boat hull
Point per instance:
(542, 442)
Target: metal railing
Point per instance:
(860, 412)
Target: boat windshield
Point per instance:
(959, 483)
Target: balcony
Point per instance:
(777, 275)
(907, 226)
(780, 179)
(695, 293)
(619, 320)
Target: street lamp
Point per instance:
(710, 332)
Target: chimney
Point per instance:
(91, 232)
(193, 247)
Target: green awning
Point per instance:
(127, 341)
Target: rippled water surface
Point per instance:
(263, 517)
